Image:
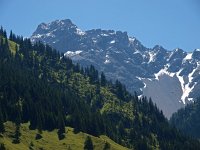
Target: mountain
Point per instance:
(187, 119)
(171, 78)
(43, 89)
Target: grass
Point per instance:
(12, 46)
(50, 141)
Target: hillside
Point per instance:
(187, 119)
(50, 140)
(40, 86)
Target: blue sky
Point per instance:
(170, 23)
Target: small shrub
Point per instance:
(38, 136)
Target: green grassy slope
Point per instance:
(49, 140)
(12, 45)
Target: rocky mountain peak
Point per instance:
(196, 54)
(57, 24)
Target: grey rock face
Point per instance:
(171, 78)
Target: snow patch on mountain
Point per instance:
(188, 57)
(112, 42)
(71, 53)
(80, 32)
(198, 50)
(163, 71)
(104, 34)
(50, 35)
(107, 61)
(151, 57)
(37, 36)
(185, 86)
(131, 39)
(137, 52)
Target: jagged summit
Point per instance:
(55, 24)
(171, 78)
(57, 32)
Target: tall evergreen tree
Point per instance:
(11, 35)
(1, 31)
(2, 146)
(106, 146)
(61, 130)
(17, 135)
(5, 34)
(103, 79)
(88, 145)
(2, 128)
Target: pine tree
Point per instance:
(119, 90)
(106, 146)
(98, 88)
(103, 79)
(88, 145)
(2, 129)
(39, 134)
(1, 31)
(5, 34)
(61, 130)
(17, 134)
(11, 35)
(2, 146)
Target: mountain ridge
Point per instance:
(124, 58)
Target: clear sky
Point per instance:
(170, 23)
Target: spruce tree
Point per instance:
(88, 145)
(2, 146)
(1, 31)
(106, 146)
(61, 130)
(17, 134)
(103, 79)
(5, 34)
(11, 35)
(2, 129)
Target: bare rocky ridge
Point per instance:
(171, 78)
